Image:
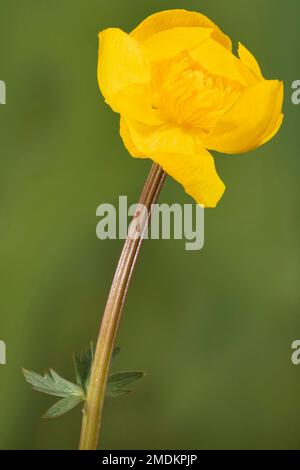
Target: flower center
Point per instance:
(185, 94)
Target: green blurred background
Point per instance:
(212, 329)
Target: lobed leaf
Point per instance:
(73, 394)
(83, 365)
(52, 384)
(63, 406)
(117, 382)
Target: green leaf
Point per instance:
(52, 384)
(83, 365)
(63, 406)
(73, 394)
(66, 384)
(118, 392)
(124, 378)
(117, 382)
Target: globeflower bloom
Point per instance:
(181, 92)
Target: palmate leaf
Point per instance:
(54, 384)
(83, 365)
(73, 394)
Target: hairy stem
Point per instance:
(92, 415)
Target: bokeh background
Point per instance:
(212, 329)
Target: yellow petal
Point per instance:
(171, 42)
(179, 153)
(252, 120)
(166, 138)
(196, 173)
(121, 63)
(135, 102)
(249, 60)
(274, 131)
(217, 60)
(169, 19)
(124, 132)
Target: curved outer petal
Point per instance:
(249, 60)
(276, 128)
(218, 61)
(127, 140)
(169, 19)
(165, 138)
(251, 121)
(135, 102)
(196, 173)
(171, 42)
(120, 63)
(183, 159)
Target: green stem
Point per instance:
(91, 420)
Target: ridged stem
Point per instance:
(92, 415)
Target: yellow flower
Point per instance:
(181, 91)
